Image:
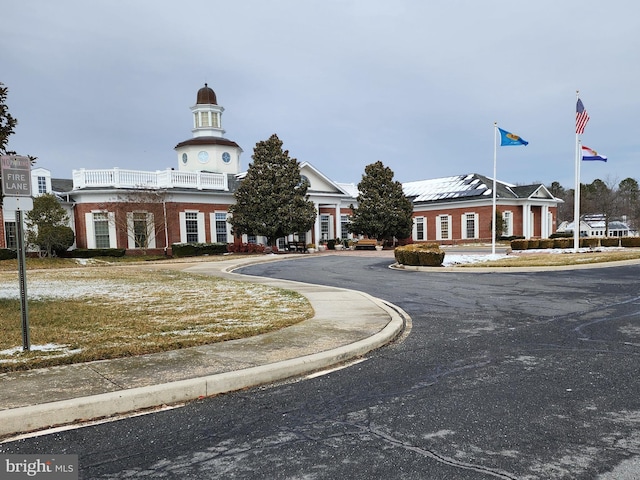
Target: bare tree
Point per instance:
(140, 217)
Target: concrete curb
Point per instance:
(38, 417)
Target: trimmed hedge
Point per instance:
(630, 241)
(589, 242)
(562, 242)
(519, 244)
(420, 254)
(8, 254)
(546, 243)
(198, 249)
(610, 242)
(567, 242)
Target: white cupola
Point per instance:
(208, 150)
(207, 114)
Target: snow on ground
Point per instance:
(53, 350)
(452, 260)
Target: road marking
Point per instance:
(335, 369)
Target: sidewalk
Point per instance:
(347, 324)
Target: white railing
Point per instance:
(120, 178)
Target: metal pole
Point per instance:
(493, 210)
(22, 274)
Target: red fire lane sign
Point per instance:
(16, 176)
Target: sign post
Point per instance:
(16, 186)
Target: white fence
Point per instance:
(120, 178)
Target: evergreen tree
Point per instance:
(383, 211)
(47, 224)
(272, 199)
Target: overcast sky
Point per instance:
(415, 84)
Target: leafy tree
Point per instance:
(47, 226)
(383, 211)
(272, 199)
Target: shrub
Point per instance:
(94, 252)
(430, 258)
(533, 243)
(589, 242)
(630, 241)
(419, 254)
(546, 243)
(610, 242)
(8, 254)
(561, 235)
(198, 249)
(519, 244)
(562, 242)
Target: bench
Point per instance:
(296, 247)
(366, 243)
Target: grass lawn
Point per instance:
(86, 313)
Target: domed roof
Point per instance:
(206, 96)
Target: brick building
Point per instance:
(145, 211)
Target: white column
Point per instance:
(526, 220)
(316, 225)
(544, 220)
(338, 222)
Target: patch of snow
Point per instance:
(451, 260)
(59, 350)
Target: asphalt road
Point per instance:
(508, 376)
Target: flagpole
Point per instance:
(493, 218)
(576, 195)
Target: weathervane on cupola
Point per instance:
(208, 150)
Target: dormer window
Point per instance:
(42, 185)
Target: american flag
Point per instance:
(582, 117)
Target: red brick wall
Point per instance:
(121, 209)
(484, 221)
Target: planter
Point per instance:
(339, 247)
(379, 248)
(311, 250)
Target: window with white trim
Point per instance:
(419, 229)
(344, 226)
(507, 223)
(470, 225)
(42, 184)
(443, 227)
(10, 238)
(141, 230)
(221, 227)
(191, 226)
(101, 229)
(324, 227)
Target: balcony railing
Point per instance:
(137, 179)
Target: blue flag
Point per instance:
(510, 139)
